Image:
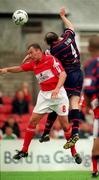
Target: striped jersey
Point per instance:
(46, 71)
(66, 51)
(91, 83)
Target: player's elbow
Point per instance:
(71, 27)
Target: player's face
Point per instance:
(34, 53)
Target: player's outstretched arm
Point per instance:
(66, 22)
(14, 69)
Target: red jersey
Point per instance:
(46, 71)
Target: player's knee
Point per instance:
(33, 121)
(74, 102)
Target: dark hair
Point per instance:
(94, 42)
(51, 37)
(35, 46)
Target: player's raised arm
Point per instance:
(66, 22)
(13, 69)
(26, 59)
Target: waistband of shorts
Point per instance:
(61, 89)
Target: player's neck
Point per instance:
(59, 39)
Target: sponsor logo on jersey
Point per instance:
(68, 41)
(44, 76)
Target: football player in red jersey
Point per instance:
(51, 119)
(52, 96)
(91, 90)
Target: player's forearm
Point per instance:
(67, 23)
(62, 78)
(14, 69)
(25, 59)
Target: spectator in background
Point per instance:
(20, 105)
(85, 129)
(1, 98)
(91, 90)
(9, 134)
(12, 124)
(26, 91)
(1, 134)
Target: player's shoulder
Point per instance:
(51, 59)
(49, 56)
(47, 59)
(68, 30)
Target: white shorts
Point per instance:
(46, 105)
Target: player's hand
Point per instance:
(62, 11)
(3, 70)
(26, 59)
(54, 94)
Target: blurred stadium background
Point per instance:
(43, 17)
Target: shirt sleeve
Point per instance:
(68, 33)
(27, 66)
(57, 67)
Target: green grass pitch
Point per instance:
(59, 175)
